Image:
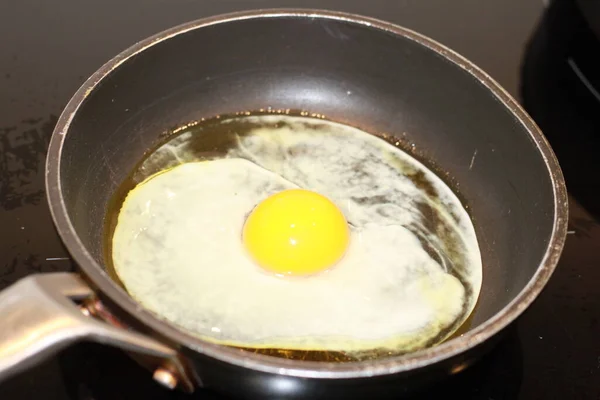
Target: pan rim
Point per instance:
(307, 369)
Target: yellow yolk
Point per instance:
(296, 232)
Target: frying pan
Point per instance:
(355, 70)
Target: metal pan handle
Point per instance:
(38, 317)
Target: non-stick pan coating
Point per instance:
(379, 78)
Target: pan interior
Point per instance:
(438, 220)
(351, 73)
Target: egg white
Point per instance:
(177, 245)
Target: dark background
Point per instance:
(48, 48)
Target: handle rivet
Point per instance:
(165, 377)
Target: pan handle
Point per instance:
(38, 318)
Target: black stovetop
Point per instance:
(48, 48)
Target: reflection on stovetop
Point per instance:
(560, 89)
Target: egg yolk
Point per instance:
(296, 232)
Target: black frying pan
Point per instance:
(355, 70)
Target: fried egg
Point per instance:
(305, 234)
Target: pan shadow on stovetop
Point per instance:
(95, 372)
(560, 89)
